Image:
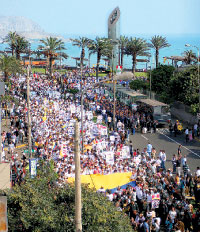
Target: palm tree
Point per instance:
(122, 45)
(50, 47)
(190, 57)
(102, 47)
(22, 46)
(136, 47)
(82, 42)
(9, 65)
(158, 42)
(89, 55)
(11, 40)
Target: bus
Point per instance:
(159, 110)
(124, 94)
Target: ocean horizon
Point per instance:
(177, 48)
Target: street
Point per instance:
(163, 141)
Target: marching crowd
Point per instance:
(161, 198)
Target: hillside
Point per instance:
(22, 26)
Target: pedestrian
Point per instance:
(186, 135)
(174, 159)
(179, 149)
(163, 159)
(170, 127)
(195, 129)
(175, 129)
(149, 149)
(178, 164)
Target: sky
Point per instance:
(89, 17)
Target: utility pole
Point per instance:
(2, 92)
(29, 114)
(150, 84)
(81, 70)
(0, 137)
(60, 57)
(78, 206)
(114, 91)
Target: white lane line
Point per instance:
(144, 137)
(179, 143)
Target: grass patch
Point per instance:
(38, 70)
(141, 74)
(42, 70)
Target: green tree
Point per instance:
(122, 47)
(10, 65)
(11, 40)
(136, 47)
(158, 42)
(102, 47)
(184, 87)
(50, 47)
(82, 42)
(160, 78)
(41, 204)
(22, 46)
(190, 57)
(138, 84)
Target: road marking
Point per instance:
(22, 145)
(179, 144)
(144, 137)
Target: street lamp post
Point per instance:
(188, 45)
(113, 42)
(29, 113)
(150, 83)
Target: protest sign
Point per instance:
(109, 157)
(155, 200)
(33, 167)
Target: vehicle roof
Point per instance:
(132, 93)
(151, 102)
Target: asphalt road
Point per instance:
(163, 141)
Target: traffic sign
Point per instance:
(118, 69)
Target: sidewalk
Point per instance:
(5, 126)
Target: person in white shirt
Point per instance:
(172, 214)
(158, 163)
(198, 172)
(186, 135)
(195, 129)
(156, 224)
(163, 159)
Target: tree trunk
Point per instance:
(5, 77)
(17, 55)
(50, 65)
(13, 50)
(119, 57)
(157, 55)
(97, 66)
(82, 56)
(122, 57)
(134, 63)
(89, 60)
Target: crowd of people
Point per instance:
(161, 198)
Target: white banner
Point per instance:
(109, 157)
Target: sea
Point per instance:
(177, 48)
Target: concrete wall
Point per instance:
(181, 112)
(5, 175)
